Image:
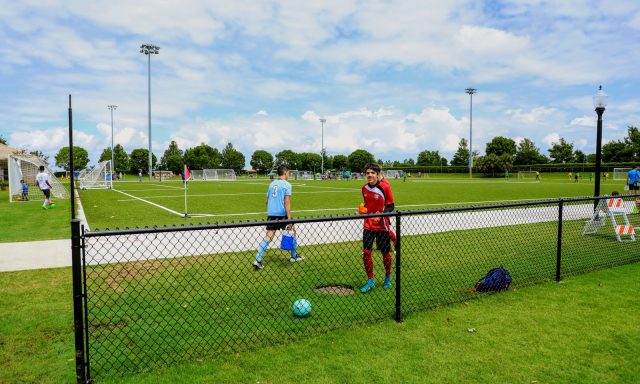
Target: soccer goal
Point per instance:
(218, 174)
(392, 174)
(26, 167)
(620, 173)
(97, 178)
(528, 175)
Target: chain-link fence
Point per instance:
(149, 297)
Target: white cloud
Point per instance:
(584, 121)
(552, 138)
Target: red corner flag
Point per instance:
(187, 173)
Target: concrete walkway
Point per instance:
(35, 255)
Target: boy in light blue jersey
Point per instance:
(278, 208)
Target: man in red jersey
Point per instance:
(377, 198)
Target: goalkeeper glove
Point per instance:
(362, 209)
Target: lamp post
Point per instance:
(149, 49)
(470, 91)
(599, 102)
(322, 121)
(113, 164)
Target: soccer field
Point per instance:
(133, 204)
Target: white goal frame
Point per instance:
(620, 173)
(392, 174)
(527, 174)
(213, 174)
(26, 167)
(99, 177)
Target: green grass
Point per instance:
(584, 329)
(27, 221)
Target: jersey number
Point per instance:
(274, 191)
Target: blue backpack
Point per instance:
(496, 279)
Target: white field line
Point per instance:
(230, 194)
(100, 250)
(148, 202)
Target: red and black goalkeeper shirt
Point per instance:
(376, 199)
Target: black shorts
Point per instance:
(634, 187)
(274, 226)
(47, 193)
(383, 241)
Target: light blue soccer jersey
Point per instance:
(278, 189)
(633, 176)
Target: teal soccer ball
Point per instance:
(301, 308)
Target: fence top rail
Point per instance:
(240, 224)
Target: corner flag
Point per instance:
(187, 173)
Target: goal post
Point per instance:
(97, 178)
(392, 174)
(620, 173)
(26, 167)
(529, 175)
(213, 174)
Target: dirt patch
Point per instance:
(336, 289)
(130, 272)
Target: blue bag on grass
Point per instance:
(496, 279)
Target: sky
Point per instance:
(388, 76)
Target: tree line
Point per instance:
(501, 154)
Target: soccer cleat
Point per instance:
(44, 207)
(367, 287)
(257, 265)
(297, 258)
(387, 282)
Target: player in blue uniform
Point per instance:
(278, 208)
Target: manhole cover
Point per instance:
(336, 289)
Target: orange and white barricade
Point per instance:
(610, 208)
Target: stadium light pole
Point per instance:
(322, 121)
(113, 164)
(599, 102)
(470, 91)
(149, 49)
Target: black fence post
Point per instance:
(559, 247)
(78, 319)
(398, 253)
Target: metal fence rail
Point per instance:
(151, 297)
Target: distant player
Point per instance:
(25, 191)
(43, 183)
(377, 198)
(537, 176)
(278, 208)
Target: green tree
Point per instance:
(561, 152)
(633, 143)
(616, 151)
(340, 162)
(139, 160)
(203, 156)
(261, 161)
(310, 161)
(288, 158)
(461, 157)
(359, 158)
(579, 156)
(500, 145)
(105, 155)
(492, 163)
(173, 158)
(427, 158)
(232, 158)
(121, 159)
(528, 153)
(3, 140)
(80, 158)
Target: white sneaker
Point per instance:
(257, 265)
(297, 258)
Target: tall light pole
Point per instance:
(113, 164)
(599, 102)
(470, 91)
(322, 121)
(150, 49)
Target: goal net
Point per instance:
(294, 174)
(25, 167)
(620, 173)
(392, 174)
(528, 175)
(218, 174)
(97, 178)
